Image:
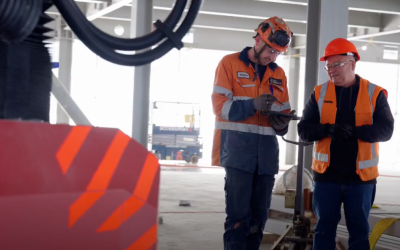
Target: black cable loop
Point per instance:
(18, 18)
(86, 32)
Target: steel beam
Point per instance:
(202, 41)
(64, 74)
(94, 14)
(67, 103)
(261, 10)
(112, 7)
(383, 33)
(311, 67)
(387, 37)
(381, 6)
(390, 22)
(241, 15)
(293, 85)
(210, 21)
(141, 24)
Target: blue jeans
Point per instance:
(327, 202)
(248, 199)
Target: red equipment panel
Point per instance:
(80, 188)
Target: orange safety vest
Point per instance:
(368, 153)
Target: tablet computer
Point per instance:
(292, 116)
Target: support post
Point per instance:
(293, 86)
(64, 74)
(322, 27)
(141, 24)
(67, 103)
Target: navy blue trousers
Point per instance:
(327, 202)
(248, 199)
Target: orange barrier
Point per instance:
(64, 187)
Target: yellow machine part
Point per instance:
(189, 118)
(373, 206)
(379, 229)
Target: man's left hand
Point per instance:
(341, 132)
(280, 122)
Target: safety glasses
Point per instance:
(336, 65)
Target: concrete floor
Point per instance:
(200, 226)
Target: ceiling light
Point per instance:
(119, 30)
(390, 54)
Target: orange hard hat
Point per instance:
(275, 32)
(340, 46)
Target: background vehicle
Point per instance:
(175, 131)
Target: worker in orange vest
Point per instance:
(346, 117)
(248, 85)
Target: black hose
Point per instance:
(142, 42)
(107, 52)
(18, 18)
(139, 43)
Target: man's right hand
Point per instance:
(341, 132)
(264, 102)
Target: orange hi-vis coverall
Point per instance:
(244, 138)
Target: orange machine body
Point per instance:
(64, 187)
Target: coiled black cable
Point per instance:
(139, 43)
(18, 18)
(106, 49)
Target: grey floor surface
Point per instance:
(200, 226)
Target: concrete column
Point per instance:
(141, 24)
(64, 74)
(331, 27)
(293, 85)
(326, 20)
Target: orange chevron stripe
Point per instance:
(110, 162)
(71, 146)
(123, 212)
(82, 204)
(100, 179)
(137, 200)
(146, 179)
(146, 241)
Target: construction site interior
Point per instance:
(164, 107)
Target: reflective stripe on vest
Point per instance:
(321, 99)
(320, 156)
(247, 128)
(371, 90)
(228, 104)
(370, 163)
(375, 158)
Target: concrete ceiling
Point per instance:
(376, 21)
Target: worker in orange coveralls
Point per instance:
(248, 86)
